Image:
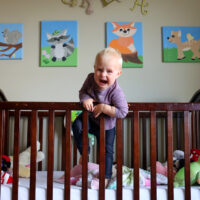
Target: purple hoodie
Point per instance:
(113, 96)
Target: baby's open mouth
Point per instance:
(103, 81)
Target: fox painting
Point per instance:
(125, 42)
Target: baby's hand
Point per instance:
(88, 105)
(98, 109)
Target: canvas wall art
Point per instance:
(59, 43)
(127, 38)
(11, 41)
(181, 44)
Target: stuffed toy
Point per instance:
(5, 165)
(76, 176)
(128, 178)
(179, 179)
(6, 178)
(195, 153)
(24, 161)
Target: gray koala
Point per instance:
(11, 37)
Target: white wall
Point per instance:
(25, 80)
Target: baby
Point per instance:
(101, 94)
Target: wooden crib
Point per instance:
(183, 116)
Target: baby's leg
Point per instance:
(77, 128)
(110, 137)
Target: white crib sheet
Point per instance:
(58, 191)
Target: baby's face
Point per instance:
(106, 72)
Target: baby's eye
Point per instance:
(100, 70)
(109, 71)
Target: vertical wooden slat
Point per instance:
(6, 133)
(153, 155)
(198, 129)
(67, 154)
(102, 160)
(33, 155)
(144, 143)
(16, 156)
(187, 155)
(156, 138)
(50, 155)
(29, 131)
(85, 156)
(132, 142)
(119, 150)
(136, 161)
(170, 154)
(63, 155)
(1, 138)
(166, 136)
(40, 140)
(178, 128)
(194, 135)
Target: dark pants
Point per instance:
(94, 129)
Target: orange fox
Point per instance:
(125, 42)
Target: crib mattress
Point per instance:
(58, 191)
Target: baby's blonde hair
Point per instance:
(109, 52)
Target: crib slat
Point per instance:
(1, 139)
(33, 155)
(187, 155)
(144, 140)
(63, 154)
(194, 135)
(6, 133)
(153, 155)
(119, 145)
(16, 156)
(50, 155)
(170, 154)
(85, 156)
(40, 140)
(136, 161)
(178, 132)
(67, 154)
(29, 131)
(197, 129)
(102, 161)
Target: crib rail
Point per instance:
(34, 110)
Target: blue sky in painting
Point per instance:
(166, 32)
(51, 26)
(138, 41)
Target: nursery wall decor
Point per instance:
(181, 44)
(127, 38)
(11, 41)
(59, 43)
(143, 5)
(87, 4)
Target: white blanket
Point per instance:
(58, 191)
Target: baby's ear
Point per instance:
(119, 73)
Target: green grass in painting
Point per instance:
(170, 55)
(71, 61)
(133, 65)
